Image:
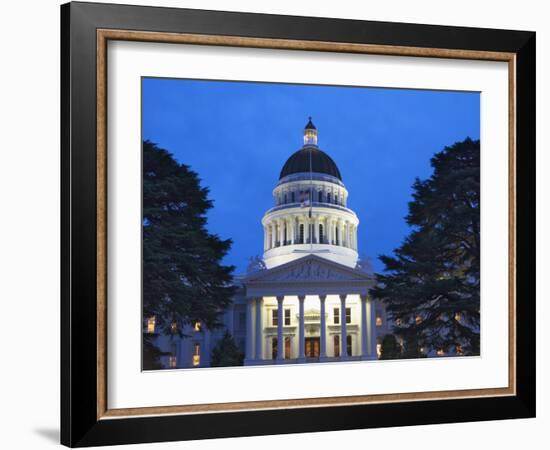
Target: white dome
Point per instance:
(310, 215)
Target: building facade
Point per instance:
(309, 300)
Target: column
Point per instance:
(302, 329)
(340, 225)
(273, 230)
(280, 337)
(344, 232)
(306, 228)
(316, 229)
(265, 238)
(364, 328)
(344, 328)
(259, 329)
(281, 225)
(323, 352)
(371, 312)
(249, 342)
(292, 230)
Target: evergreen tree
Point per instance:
(183, 278)
(431, 284)
(390, 348)
(151, 354)
(226, 353)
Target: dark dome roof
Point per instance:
(320, 163)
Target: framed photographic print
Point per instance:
(276, 224)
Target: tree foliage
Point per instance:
(226, 353)
(151, 354)
(390, 348)
(431, 284)
(183, 278)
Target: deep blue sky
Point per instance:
(238, 135)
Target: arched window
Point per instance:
(293, 197)
(321, 234)
(337, 236)
(320, 199)
(301, 233)
(328, 197)
(286, 199)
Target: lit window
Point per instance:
(172, 362)
(379, 350)
(275, 317)
(422, 350)
(457, 316)
(398, 322)
(151, 325)
(336, 316)
(348, 315)
(336, 345)
(173, 327)
(418, 319)
(440, 352)
(197, 355)
(197, 326)
(379, 321)
(287, 317)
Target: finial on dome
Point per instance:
(310, 133)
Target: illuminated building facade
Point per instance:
(309, 299)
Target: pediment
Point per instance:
(309, 269)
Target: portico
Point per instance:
(310, 309)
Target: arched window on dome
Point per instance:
(328, 197)
(293, 197)
(321, 234)
(320, 197)
(301, 233)
(337, 240)
(285, 201)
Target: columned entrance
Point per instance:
(308, 310)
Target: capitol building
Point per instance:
(308, 299)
